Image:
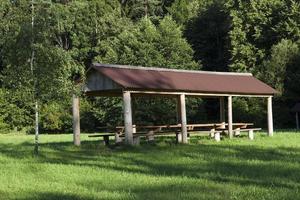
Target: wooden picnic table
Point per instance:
(190, 127)
(150, 130)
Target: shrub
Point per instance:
(55, 117)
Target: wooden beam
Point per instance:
(104, 93)
(149, 92)
(76, 120)
(297, 120)
(230, 132)
(127, 118)
(270, 117)
(183, 119)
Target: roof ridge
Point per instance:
(169, 70)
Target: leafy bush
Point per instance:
(4, 127)
(88, 120)
(56, 117)
(15, 109)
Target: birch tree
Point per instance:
(35, 66)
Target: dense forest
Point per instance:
(47, 45)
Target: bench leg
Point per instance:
(178, 137)
(118, 139)
(212, 133)
(237, 132)
(251, 134)
(150, 136)
(106, 140)
(217, 136)
(136, 140)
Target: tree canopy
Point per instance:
(259, 36)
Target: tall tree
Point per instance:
(257, 26)
(275, 69)
(208, 34)
(41, 70)
(148, 44)
(137, 9)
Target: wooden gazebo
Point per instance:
(130, 81)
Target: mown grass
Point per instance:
(266, 168)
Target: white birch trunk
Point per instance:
(36, 127)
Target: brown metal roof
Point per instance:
(161, 79)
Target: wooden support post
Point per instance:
(297, 120)
(183, 118)
(76, 120)
(270, 117)
(230, 132)
(127, 118)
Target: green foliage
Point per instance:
(283, 54)
(109, 111)
(183, 10)
(100, 112)
(63, 45)
(146, 44)
(94, 27)
(250, 110)
(257, 26)
(137, 9)
(56, 117)
(154, 111)
(15, 110)
(258, 36)
(208, 33)
(4, 127)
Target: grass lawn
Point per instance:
(266, 168)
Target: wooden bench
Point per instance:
(119, 137)
(216, 133)
(250, 132)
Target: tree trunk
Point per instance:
(36, 127)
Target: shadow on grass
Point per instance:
(52, 196)
(159, 191)
(222, 163)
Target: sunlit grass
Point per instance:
(266, 168)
